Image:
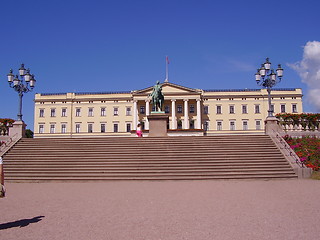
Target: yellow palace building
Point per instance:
(190, 111)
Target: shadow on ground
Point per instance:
(20, 223)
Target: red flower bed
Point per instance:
(307, 149)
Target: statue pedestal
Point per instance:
(272, 126)
(18, 128)
(158, 124)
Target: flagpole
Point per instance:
(167, 70)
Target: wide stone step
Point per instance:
(149, 145)
(154, 173)
(229, 146)
(168, 177)
(149, 154)
(147, 160)
(150, 167)
(116, 164)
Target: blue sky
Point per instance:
(121, 45)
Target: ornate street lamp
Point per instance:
(266, 77)
(22, 83)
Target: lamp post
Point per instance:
(22, 83)
(266, 77)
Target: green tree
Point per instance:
(29, 133)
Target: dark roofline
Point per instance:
(50, 94)
(208, 90)
(247, 90)
(86, 93)
(97, 93)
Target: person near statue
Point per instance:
(157, 97)
(139, 130)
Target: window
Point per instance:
(231, 108)
(52, 128)
(142, 110)
(63, 112)
(206, 109)
(103, 111)
(244, 109)
(128, 127)
(283, 108)
(41, 128)
(179, 109)
(63, 128)
(128, 111)
(90, 112)
(219, 125)
(257, 108)
(153, 108)
(103, 127)
(232, 125)
(258, 124)
(219, 109)
(294, 108)
(41, 113)
(115, 111)
(167, 109)
(77, 127)
(53, 112)
(191, 108)
(78, 112)
(115, 127)
(90, 126)
(206, 126)
(245, 125)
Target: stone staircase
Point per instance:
(129, 158)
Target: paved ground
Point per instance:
(279, 209)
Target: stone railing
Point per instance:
(8, 142)
(297, 125)
(298, 166)
(13, 134)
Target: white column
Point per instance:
(147, 113)
(198, 114)
(135, 114)
(173, 114)
(186, 114)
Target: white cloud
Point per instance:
(309, 71)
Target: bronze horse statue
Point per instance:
(157, 97)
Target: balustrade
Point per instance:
(300, 122)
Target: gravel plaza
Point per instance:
(154, 210)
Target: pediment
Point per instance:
(169, 89)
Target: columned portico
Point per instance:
(173, 115)
(147, 113)
(198, 113)
(186, 114)
(135, 114)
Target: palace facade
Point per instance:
(189, 110)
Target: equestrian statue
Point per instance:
(157, 97)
